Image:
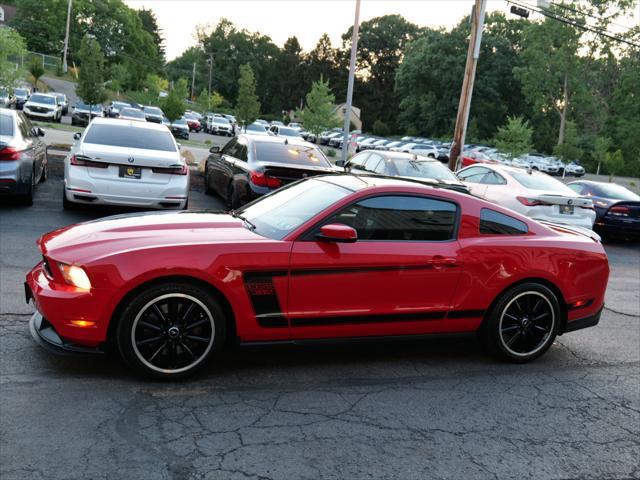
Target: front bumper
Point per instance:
(46, 115)
(46, 336)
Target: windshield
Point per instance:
(293, 132)
(132, 112)
(153, 110)
(20, 91)
(256, 128)
(272, 152)
(541, 182)
(127, 136)
(221, 120)
(424, 169)
(35, 98)
(615, 191)
(182, 121)
(86, 106)
(280, 213)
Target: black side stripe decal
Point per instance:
(264, 300)
(393, 317)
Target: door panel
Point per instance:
(371, 288)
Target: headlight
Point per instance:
(75, 276)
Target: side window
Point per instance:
(23, 127)
(493, 178)
(241, 150)
(374, 162)
(359, 160)
(230, 147)
(496, 223)
(383, 167)
(400, 218)
(473, 174)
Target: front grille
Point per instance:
(40, 109)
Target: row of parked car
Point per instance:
(51, 106)
(139, 164)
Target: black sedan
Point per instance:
(180, 128)
(250, 166)
(83, 113)
(406, 165)
(617, 207)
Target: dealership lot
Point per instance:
(393, 410)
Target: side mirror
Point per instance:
(215, 149)
(337, 232)
(40, 132)
(179, 146)
(340, 163)
(77, 135)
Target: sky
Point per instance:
(306, 19)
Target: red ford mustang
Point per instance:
(339, 256)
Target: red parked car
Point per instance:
(473, 157)
(337, 256)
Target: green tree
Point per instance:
(381, 46)
(11, 50)
(150, 25)
(380, 128)
(207, 103)
(600, 150)
(514, 138)
(550, 74)
(614, 163)
(318, 114)
(90, 86)
(569, 149)
(173, 104)
(290, 76)
(119, 78)
(247, 105)
(36, 70)
(41, 23)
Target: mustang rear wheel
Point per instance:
(170, 330)
(523, 324)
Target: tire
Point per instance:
(169, 330)
(66, 204)
(523, 323)
(27, 198)
(45, 172)
(233, 201)
(207, 186)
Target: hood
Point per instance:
(90, 241)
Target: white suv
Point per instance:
(43, 106)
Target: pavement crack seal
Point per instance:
(128, 428)
(622, 313)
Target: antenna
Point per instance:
(286, 141)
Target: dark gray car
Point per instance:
(23, 155)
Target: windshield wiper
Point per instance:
(235, 214)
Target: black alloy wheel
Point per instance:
(170, 330)
(523, 324)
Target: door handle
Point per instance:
(438, 261)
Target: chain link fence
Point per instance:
(50, 63)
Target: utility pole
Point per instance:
(66, 39)
(210, 62)
(477, 24)
(352, 71)
(193, 79)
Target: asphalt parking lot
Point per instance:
(396, 410)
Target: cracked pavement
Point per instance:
(410, 410)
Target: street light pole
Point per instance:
(66, 39)
(477, 23)
(352, 71)
(193, 79)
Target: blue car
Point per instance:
(617, 207)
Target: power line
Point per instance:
(571, 9)
(574, 24)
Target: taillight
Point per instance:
(262, 180)
(10, 153)
(621, 211)
(181, 170)
(531, 202)
(80, 161)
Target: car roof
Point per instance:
(357, 182)
(280, 140)
(117, 121)
(53, 95)
(8, 111)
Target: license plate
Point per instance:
(130, 172)
(566, 209)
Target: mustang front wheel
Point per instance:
(170, 330)
(523, 323)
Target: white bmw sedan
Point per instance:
(529, 192)
(116, 162)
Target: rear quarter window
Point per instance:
(6, 125)
(496, 223)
